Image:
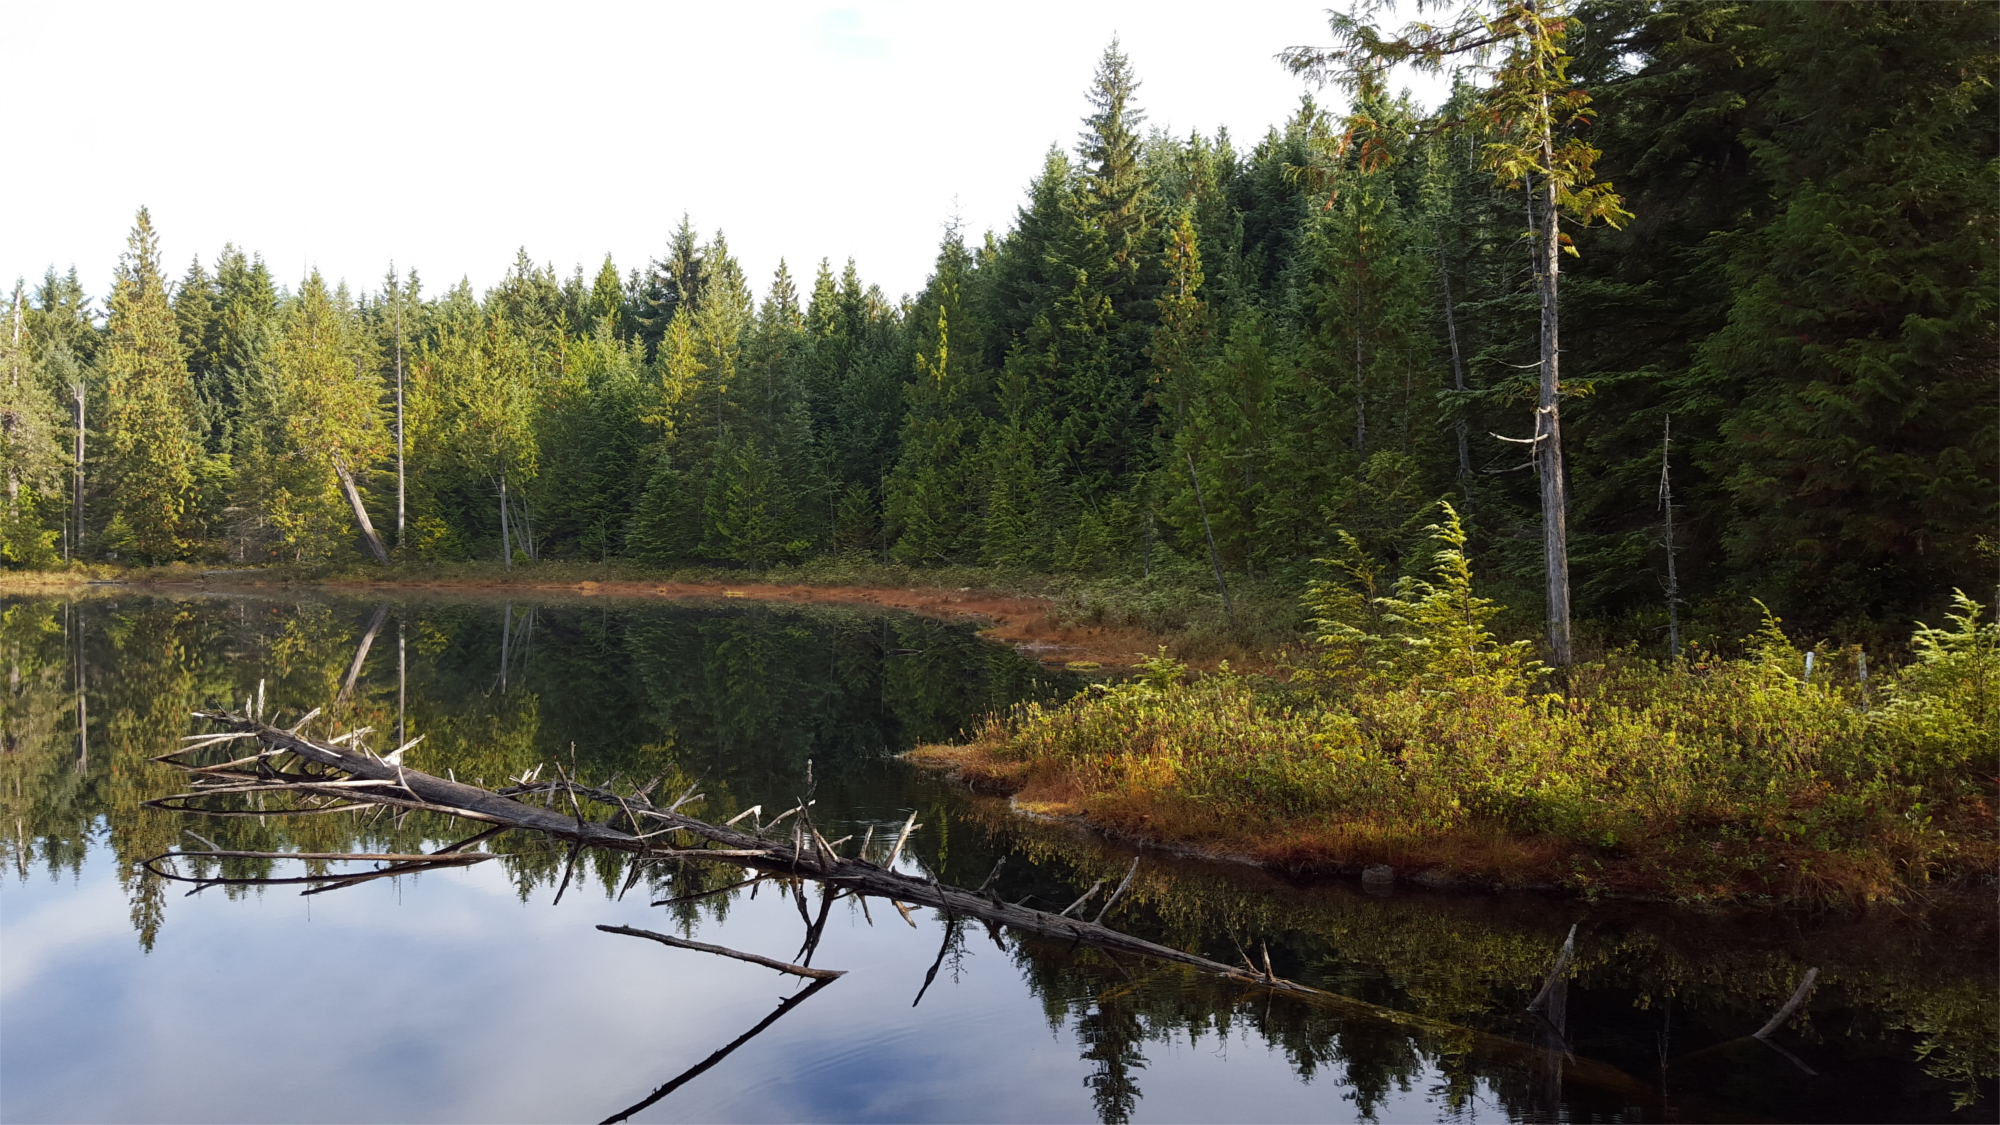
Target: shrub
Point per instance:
(1413, 730)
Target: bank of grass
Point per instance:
(56, 578)
(1414, 739)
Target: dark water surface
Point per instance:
(468, 995)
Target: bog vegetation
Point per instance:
(1413, 737)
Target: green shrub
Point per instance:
(1414, 719)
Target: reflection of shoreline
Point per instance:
(1026, 621)
(1062, 790)
(1476, 959)
(729, 686)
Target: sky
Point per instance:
(445, 136)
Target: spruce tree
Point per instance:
(925, 494)
(246, 331)
(605, 301)
(153, 451)
(672, 283)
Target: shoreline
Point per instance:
(1027, 622)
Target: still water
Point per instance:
(472, 995)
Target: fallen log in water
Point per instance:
(806, 855)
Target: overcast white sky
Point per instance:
(444, 136)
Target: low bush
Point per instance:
(1412, 736)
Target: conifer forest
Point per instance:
(1204, 356)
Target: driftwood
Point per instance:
(374, 781)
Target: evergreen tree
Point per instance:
(59, 314)
(1531, 109)
(1862, 458)
(30, 458)
(322, 428)
(197, 310)
(246, 327)
(672, 283)
(153, 453)
(925, 495)
(605, 301)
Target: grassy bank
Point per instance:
(1414, 738)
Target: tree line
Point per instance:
(1191, 357)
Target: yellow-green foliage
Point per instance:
(1415, 728)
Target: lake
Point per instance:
(472, 994)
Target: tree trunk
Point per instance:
(506, 548)
(1457, 382)
(1214, 558)
(1673, 579)
(401, 485)
(353, 495)
(1548, 428)
(1360, 385)
(76, 544)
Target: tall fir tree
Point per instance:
(153, 452)
(925, 494)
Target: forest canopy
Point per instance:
(1187, 353)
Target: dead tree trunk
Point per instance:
(506, 548)
(367, 525)
(1548, 417)
(75, 546)
(1214, 558)
(1457, 382)
(401, 483)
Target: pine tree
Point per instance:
(151, 413)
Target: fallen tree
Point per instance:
(288, 762)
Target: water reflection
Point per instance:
(757, 704)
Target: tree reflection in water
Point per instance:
(743, 697)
